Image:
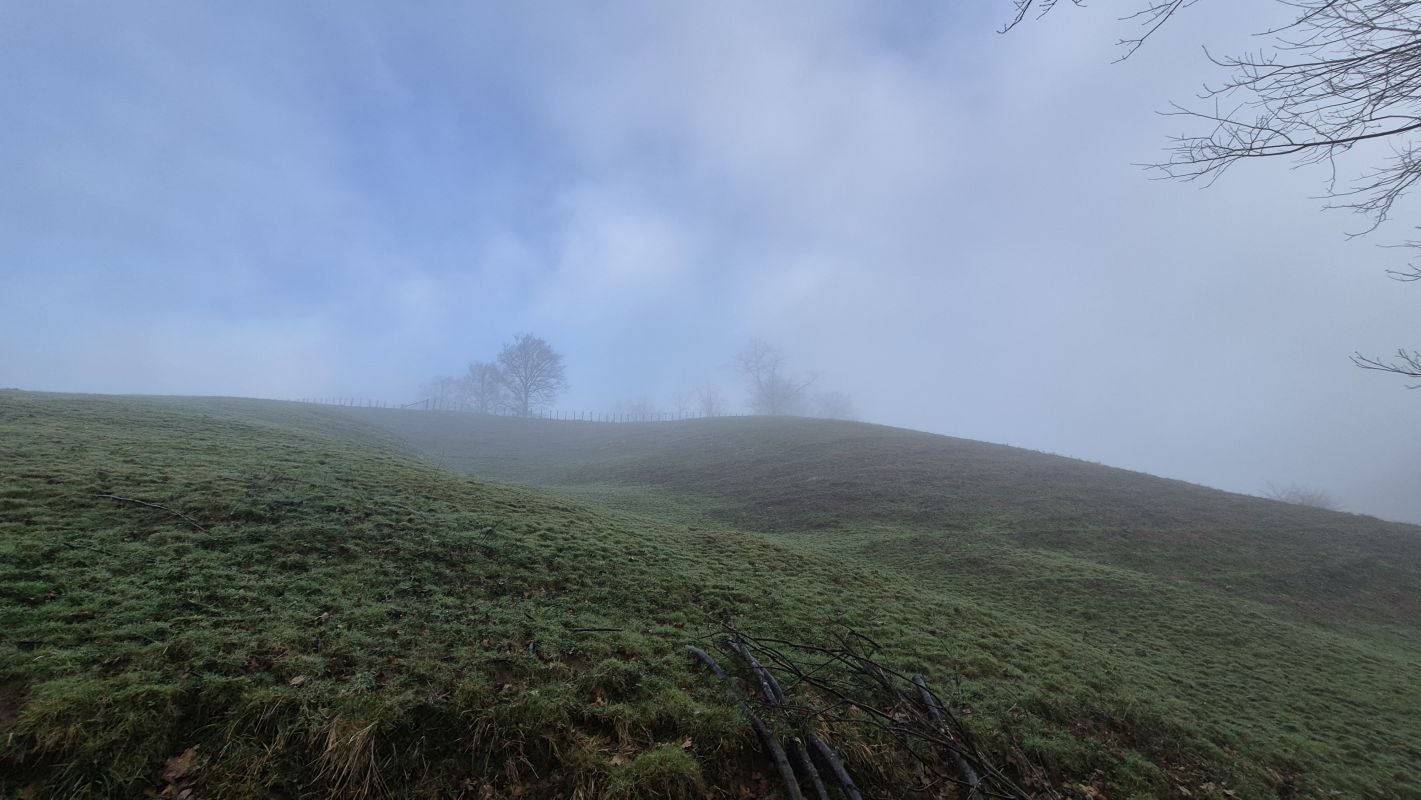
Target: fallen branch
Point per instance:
(934, 708)
(146, 504)
(776, 751)
(850, 687)
(836, 765)
(774, 695)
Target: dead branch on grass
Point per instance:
(147, 504)
(777, 752)
(845, 685)
(773, 695)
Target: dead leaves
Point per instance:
(177, 775)
(758, 786)
(178, 767)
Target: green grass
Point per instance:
(367, 614)
(798, 474)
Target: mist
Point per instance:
(946, 224)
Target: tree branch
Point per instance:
(1405, 362)
(146, 504)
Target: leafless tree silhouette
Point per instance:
(483, 387)
(442, 391)
(1151, 17)
(1342, 76)
(709, 402)
(1300, 495)
(532, 372)
(774, 390)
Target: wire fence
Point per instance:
(503, 410)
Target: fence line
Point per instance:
(550, 415)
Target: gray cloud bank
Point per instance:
(347, 198)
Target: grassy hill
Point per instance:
(358, 603)
(780, 475)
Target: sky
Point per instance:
(949, 224)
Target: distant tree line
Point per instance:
(771, 388)
(528, 376)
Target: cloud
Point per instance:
(943, 221)
(613, 257)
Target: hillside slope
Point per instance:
(334, 616)
(822, 475)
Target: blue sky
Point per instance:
(346, 198)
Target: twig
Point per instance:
(185, 517)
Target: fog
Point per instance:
(945, 223)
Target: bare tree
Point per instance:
(774, 391)
(640, 409)
(442, 391)
(1342, 76)
(532, 373)
(1300, 495)
(709, 402)
(483, 387)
